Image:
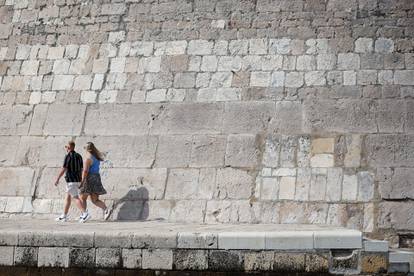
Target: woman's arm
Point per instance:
(86, 165)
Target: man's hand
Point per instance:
(56, 182)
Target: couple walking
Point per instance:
(82, 181)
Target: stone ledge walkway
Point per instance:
(157, 245)
(155, 234)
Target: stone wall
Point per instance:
(214, 111)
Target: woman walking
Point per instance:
(91, 179)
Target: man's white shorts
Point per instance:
(72, 188)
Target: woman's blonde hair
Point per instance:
(90, 147)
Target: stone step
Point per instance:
(175, 235)
(401, 260)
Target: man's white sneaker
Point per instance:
(107, 213)
(84, 217)
(62, 218)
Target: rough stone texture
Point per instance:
(205, 104)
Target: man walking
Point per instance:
(72, 168)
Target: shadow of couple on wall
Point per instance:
(132, 206)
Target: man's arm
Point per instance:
(61, 173)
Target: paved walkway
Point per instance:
(172, 235)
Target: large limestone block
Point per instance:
(188, 211)
(64, 119)
(53, 257)
(242, 151)
(339, 116)
(45, 187)
(15, 120)
(16, 181)
(38, 119)
(39, 151)
(287, 118)
(389, 150)
(208, 151)
(8, 150)
(120, 119)
(398, 184)
(391, 116)
(123, 151)
(173, 151)
(182, 184)
(234, 184)
(134, 184)
(191, 183)
(396, 215)
(247, 117)
(188, 118)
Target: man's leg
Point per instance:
(67, 204)
(79, 204)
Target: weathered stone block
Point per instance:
(190, 259)
(348, 61)
(384, 45)
(108, 257)
(379, 148)
(132, 258)
(287, 118)
(25, 256)
(30, 67)
(208, 151)
(200, 47)
(364, 45)
(233, 184)
(157, 259)
(294, 79)
(316, 263)
(374, 262)
(258, 261)
(82, 257)
(345, 262)
(188, 118)
(287, 187)
(53, 257)
(225, 260)
(322, 160)
(242, 151)
(246, 117)
(188, 211)
(182, 184)
(15, 120)
(404, 77)
(178, 156)
(64, 119)
(343, 116)
(288, 262)
(197, 240)
(16, 181)
(396, 215)
(62, 82)
(104, 119)
(6, 255)
(397, 184)
(260, 79)
(160, 239)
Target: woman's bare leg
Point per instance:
(95, 200)
(83, 198)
